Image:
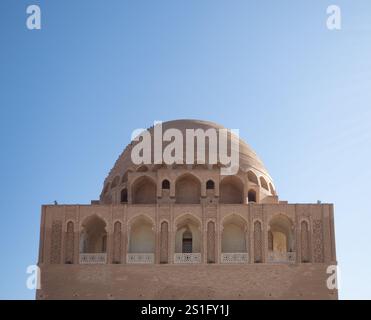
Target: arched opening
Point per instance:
(251, 176)
(93, 241)
(264, 183)
(234, 246)
(251, 196)
(141, 241)
(210, 185)
(165, 184)
(124, 196)
(144, 191)
(234, 235)
(125, 177)
(93, 235)
(282, 240)
(115, 182)
(187, 241)
(231, 190)
(142, 236)
(187, 189)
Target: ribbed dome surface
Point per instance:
(248, 159)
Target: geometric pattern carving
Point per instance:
(258, 243)
(69, 243)
(305, 252)
(164, 242)
(117, 242)
(318, 241)
(56, 242)
(211, 242)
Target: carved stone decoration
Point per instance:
(69, 245)
(258, 245)
(305, 251)
(164, 242)
(270, 240)
(117, 242)
(318, 241)
(56, 242)
(211, 242)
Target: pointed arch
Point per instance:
(231, 190)
(144, 190)
(234, 234)
(251, 176)
(281, 227)
(115, 182)
(141, 235)
(264, 183)
(124, 195)
(251, 196)
(93, 237)
(187, 189)
(188, 234)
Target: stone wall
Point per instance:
(260, 281)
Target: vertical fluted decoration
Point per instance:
(56, 242)
(305, 257)
(211, 242)
(117, 242)
(69, 245)
(318, 241)
(258, 245)
(164, 242)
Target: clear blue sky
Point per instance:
(72, 93)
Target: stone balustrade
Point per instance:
(140, 258)
(238, 257)
(93, 258)
(190, 258)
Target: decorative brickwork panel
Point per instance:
(270, 241)
(117, 242)
(318, 241)
(211, 242)
(69, 243)
(258, 242)
(164, 242)
(305, 251)
(56, 242)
